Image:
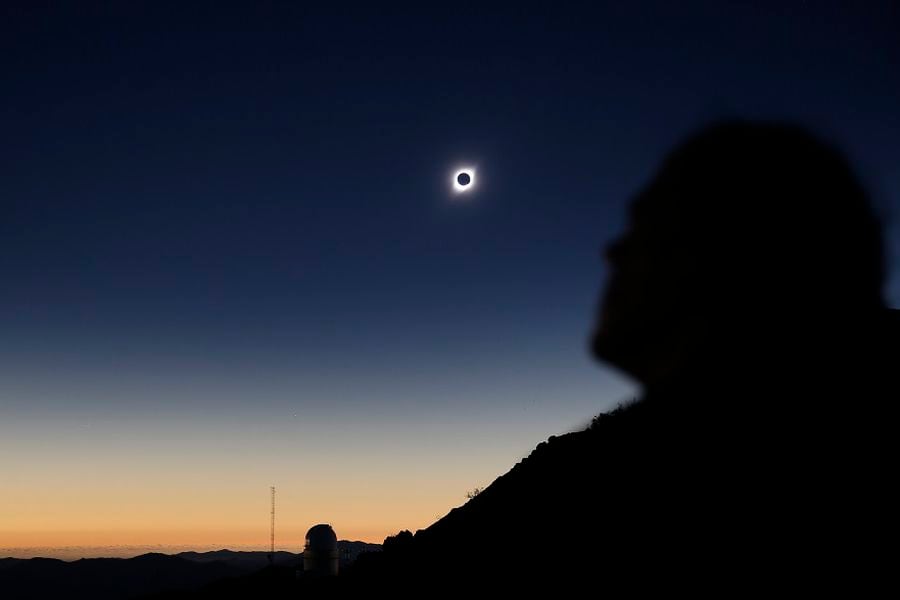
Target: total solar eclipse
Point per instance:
(463, 180)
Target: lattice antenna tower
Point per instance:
(272, 528)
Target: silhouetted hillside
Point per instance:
(711, 479)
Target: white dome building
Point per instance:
(321, 556)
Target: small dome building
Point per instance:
(321, 556)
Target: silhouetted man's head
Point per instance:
(748, 231)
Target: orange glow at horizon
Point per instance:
(136, 515)
(291, 540)
(201, 480)
(190, 490)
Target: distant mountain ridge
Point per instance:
(106, 578)
(349, 551)
(147, 574)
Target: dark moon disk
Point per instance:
(463, 179)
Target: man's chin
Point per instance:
(601, 344)
(615, 347)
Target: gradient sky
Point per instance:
(230, 257)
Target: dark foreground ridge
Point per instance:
(684, 494)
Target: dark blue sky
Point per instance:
(243, 209)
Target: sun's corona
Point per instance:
(463, 180)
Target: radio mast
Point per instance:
(272, 529)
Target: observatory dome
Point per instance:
(321, 538)
(321, 556)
